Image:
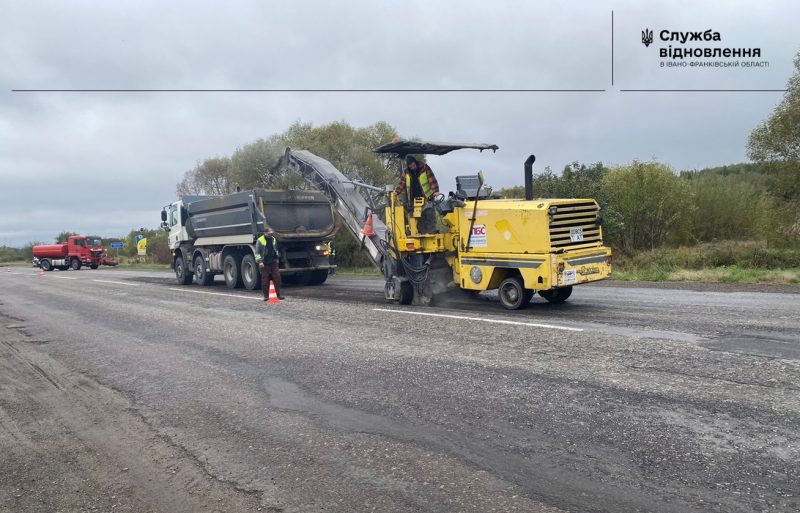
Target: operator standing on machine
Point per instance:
(418, 181)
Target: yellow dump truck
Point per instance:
(482, 242)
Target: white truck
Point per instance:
(210, 235)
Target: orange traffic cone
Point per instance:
(368, 229)
(273, 296)
(41, 273)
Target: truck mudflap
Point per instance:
(577, 267)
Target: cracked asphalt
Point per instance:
(122, 391)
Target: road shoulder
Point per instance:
(68, 443)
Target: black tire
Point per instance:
(201, 276)
(290, 279)
(556, 295)
(251, 276)
(406, 293)
(93, 266)
(182, 274)
(75, 264)
(513, 294)
(317, 277)
(302, 278)
(46, 265)
(231, 271)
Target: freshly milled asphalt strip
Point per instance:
(240, 296)
(481, 319)
(117, 282)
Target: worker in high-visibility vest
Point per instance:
(418, 181)
(331, 256)
(268, 262)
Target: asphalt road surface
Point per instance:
(121, 391)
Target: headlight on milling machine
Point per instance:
(476, 275)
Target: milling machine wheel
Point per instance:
(513, 294)
(556, 295)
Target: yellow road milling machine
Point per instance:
(482, 242)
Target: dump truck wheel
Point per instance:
(46, 265)
(318, 277)
(513, 294)
(201, 276)
(301, 278)
(231, 270)
(556, 295)
(290, 279)
(251, 277)
(75, 264)
(181, 274)
(93, 266)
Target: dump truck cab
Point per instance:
(174, 220)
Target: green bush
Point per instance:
(348, 251)
(725, 208)
(648, 204)
(9, 254)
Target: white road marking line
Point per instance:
(481, 319)
(65, 277)
(216, 293)
(117, 282)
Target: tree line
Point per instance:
(646, 205)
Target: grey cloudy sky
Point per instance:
(105, 163)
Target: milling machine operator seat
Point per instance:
(467, 187)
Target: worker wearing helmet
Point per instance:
(268, 260)
(418, 181)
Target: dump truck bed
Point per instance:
(294, 215)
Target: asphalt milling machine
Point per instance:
(517, 246)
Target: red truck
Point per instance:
(76, 252)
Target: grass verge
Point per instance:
(17, 263)
(731, 274)
(125, 265)
(713, 262)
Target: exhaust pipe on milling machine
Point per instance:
(529, 177)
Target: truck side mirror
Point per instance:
(163, 215)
